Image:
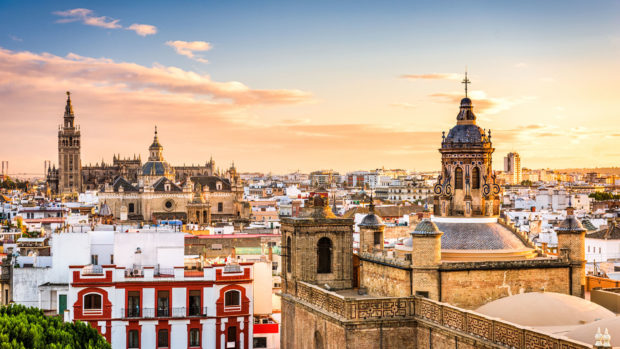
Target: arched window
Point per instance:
(324, 256)
(232, 298)
(92, 303)
(289, 255)
(458, 178)
(132, 208)
(204, 216)
(475, 178)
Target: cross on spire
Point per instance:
(466, 82)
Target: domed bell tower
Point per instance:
(466, 185)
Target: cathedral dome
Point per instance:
(466, 132)
(156, 168)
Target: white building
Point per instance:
(133, 288)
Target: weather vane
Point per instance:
(466, 81)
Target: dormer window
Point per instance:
(219, 185)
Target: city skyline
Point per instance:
(282, 87)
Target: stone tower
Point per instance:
(69, 161)
(466, 186)
(571, 243)
(317, 247)
(371, 231)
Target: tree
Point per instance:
(22, 327)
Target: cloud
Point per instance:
(15, 38)
(483, 103)
(432, 76)
(143, 29)
(188, 48)
(87, 17)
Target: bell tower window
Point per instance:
(324, 256)
(458, 178)
(475, 178)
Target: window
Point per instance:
(111, 259)
(163, 300)
(324, 256)
(94, 259)
(194, 303)
(132, 208)
(599, 250)
(377, 238)
(588, 248)
(194, 337)
(458, 178)
(162, 338)
(289, 254)
(475, 178)
(318, 340)
(421, 294)
(133, 304)
(168, 204)
(133, 339)
(260, 342)
(92, 301)
(232, 334)
(232, 299)
(220, 207)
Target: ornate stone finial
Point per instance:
(466, 82)
(597, 337)
(606, 339)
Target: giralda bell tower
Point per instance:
(69, 162)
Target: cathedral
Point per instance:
(149, 191)
(422, 294)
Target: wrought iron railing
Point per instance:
(92, 269)
(150, 313)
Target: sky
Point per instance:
(281, 86)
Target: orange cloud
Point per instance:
(188, 48)
(87, 17)
(143, 29)
(483, 103)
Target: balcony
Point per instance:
(151, 313)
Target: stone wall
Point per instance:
(471, 288)
(324, 319)
(385, 280)
(395, 232)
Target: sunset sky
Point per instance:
(282, 86)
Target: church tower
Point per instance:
(466, 185)
(69, 161)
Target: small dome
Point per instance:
(105, 210)
(426, 226)
(545, 309)
(466, 102)
(571, 223)
(371, 220)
